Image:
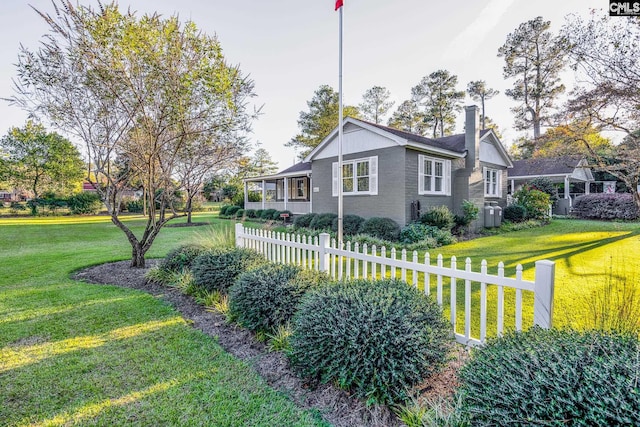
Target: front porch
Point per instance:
(288, 190)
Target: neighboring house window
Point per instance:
(296, 189)
(434, 176)
(359, 176)
(492, 182)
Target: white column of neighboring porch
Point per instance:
(264, 192)
(310, 189)
(286, 192)
(246, 193)
(513, 186)
(566, 189)
(587, 187)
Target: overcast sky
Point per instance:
(290, 48)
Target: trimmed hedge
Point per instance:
(351, 224)
(267, 214)
(416, 232)
(514, 213)
(377, 339)
(217, 269)
(304, 221)
(606, 206)
(323, 221)
(553, 377)
(250, 213)
(84, 203)
(267, 297)
(382, 228)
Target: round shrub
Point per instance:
(217, 269)
(223, 210)
(267, 214)
(259, 213)
(514, 213)
(250, 213)
(303, 221)
(382, 228)
(239, 213)
(416, 232)
(323, 221)
(606, 206)
(535, 202)
(267, 297)
(375, 338)
(549, 377)
(276, 215)
(231, 210)
(439, 216)
(180, 258)
(84, 203)
(351, 224)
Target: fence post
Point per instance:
(543, 300)
(239, 235)
(323, 254)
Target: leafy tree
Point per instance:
(409, 118)
(488, 123)
(478, 91)
(41, 161)
(263, 164)
(320, 120)
(376, 104)
(138, 92)
(607, 54)
(441, 101)
(566, 139)
(535, 58)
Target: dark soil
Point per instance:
(336, 406)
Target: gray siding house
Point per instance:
(396, 174)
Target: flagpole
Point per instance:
(340, 132)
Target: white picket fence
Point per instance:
(360, 261)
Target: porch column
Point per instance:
(566, 187)
(587, 187)
(264, 192)
(513, 186)
(310, 189)
(286, 192)
(246, 193)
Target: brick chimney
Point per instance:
(472, 137)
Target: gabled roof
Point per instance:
(298, 167)
(445, 146)
(554, 166)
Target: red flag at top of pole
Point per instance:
(339, 4)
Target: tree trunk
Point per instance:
(188, 209)
(137, 256)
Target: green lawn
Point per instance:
(585, 253)
(73, 353)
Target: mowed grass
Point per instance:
(73, 353)
(587, 255)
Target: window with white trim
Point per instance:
(434, 176)
(492, 182)
(359, 176)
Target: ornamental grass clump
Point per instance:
(218, 268)
(264, 298)
(374, 338)
(553, 377)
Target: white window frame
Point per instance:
(373, 177)
(445, 189)
(492, 182)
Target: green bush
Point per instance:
(351, 224)
(217, 269)
(322, 221)
(135, 206)
(546, 186)
(553, 377)
(231, 211)
(239, 213)
(304, 221)
(223, 210)
(439, 216)
(416, 232)
(514, 213)
(470, 213)
(377, 339)
(181, 258)
(535, 202)
(259, 213)
(382, 228)
(250, 213)
(267, 214)
(267, 297)
(276, 215)
(84, 203)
